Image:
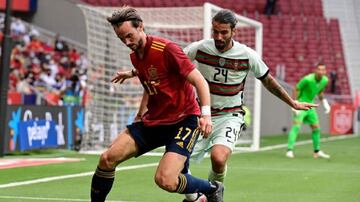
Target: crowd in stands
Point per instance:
(43, 73)
(296, 35)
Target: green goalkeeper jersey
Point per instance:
(308, 87)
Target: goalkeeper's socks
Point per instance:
(316, 139)
(190, 184)
(101, 184)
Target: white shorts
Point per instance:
(226, 131)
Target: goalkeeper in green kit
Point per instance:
(306, 90)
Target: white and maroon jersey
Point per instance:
(226, 72)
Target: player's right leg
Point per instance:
(121, 149)
(292, 139)
(297, 121)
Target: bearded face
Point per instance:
(222, 35)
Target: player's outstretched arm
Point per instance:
(276, 89)
(121, 76)
(202, 88)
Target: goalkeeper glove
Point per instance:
(326, 106)
(296, 112)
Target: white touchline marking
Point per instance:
(279, 146)
(51, 199)
(48, 179)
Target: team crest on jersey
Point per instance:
(153, 76)
(222, 62)
(152, 72)
(236, 64)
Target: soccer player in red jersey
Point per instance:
(168, 114)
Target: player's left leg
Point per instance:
(201, 149)
(315, 135)
(316, 143)
(298, 119)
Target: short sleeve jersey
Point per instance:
(226, 72)
(162, 72)
(309, 87)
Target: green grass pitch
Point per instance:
(264, 176)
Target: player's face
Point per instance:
(320, 71)
(130, 35)
(222, 34)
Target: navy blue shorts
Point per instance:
(179, 138)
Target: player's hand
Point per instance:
(121, 76)
(326, 106)
(205, 125)
(303, 105)
(137, 118)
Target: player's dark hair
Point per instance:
(320, 64)
(125, 14)
(225, 16)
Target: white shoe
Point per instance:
(290, 154)
(321, 154)
(199, 197)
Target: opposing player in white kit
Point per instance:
(225, 64)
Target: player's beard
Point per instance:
(136, 47)
(221, 44)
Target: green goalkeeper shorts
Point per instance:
(307, 117)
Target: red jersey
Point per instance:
(162, 72)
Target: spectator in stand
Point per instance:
(72, 91)
(60, 83)
(34, 32)
(35, 45)
(74, 57)
(13, 79)
(270, 7)
(333, 77)
(53, 66)
(17, 27)
(60, 45)
(25, 84)
(83, 61)
(38, 66)
(46, 77)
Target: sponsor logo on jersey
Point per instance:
(181, 144)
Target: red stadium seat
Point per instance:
(14, 98)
